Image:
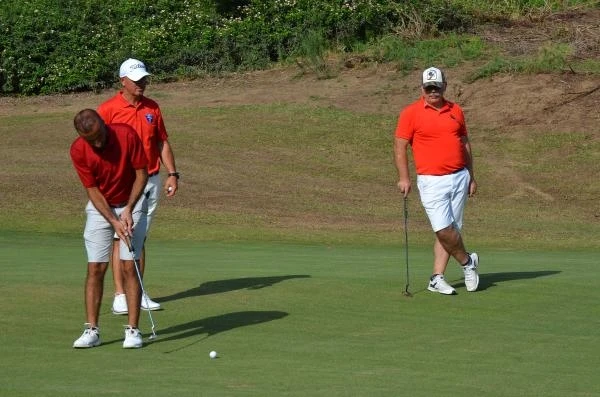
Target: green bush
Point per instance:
(446, 50)
(53, 46)
(550, 58)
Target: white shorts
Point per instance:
(98, 233)
(152, 193)
(444, 198)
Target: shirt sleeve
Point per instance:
(104, 112)
(459, 116)
(86, 176)
(160, 123)
(404, 128)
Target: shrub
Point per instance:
(49, 46)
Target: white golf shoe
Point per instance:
(133, 338)
(149, 304)
(119, 304)
(471, 275)
(89, 338)
(439, 284)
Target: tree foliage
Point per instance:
(54, 46)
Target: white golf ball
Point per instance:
(170, 189)
(213, 354)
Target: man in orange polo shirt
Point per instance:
(435, 129)
(130, 106)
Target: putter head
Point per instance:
(153, 336)
(407, 294)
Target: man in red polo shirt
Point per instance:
(112, 166)
(435, 129)
(130, 106)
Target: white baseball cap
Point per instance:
(133, 69)
(433, 76)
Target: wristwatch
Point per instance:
(175, 174)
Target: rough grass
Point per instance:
(308, 172)
(274, 156)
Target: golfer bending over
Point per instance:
(112, 166)
(435, 129)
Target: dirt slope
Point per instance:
(559, 102)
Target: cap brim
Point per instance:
(137, 75)
(434, 84)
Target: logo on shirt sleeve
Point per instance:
(149, 118)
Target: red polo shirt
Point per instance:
(146, 119)
(111, 169)
(435, 136)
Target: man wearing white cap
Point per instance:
(130, 106)
(435, 129)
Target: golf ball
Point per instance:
(213, 354)
(170, 189)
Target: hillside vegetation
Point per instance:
(49, 46)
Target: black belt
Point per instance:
(118, 205)
(152, 174)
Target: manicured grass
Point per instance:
(302, 320)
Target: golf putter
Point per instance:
(406, 292)
(139, 276)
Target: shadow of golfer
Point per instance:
(488, 280)
(214, 325)
(219, 286)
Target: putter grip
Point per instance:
(128, 243)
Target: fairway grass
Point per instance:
(302, 320)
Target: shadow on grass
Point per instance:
(214, 325)
(219, 286)
(488, 280)
(208, 326)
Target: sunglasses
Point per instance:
(432, 88)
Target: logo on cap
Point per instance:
(431, 75)
(133, 69)
(137, 66)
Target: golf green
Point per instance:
(302, 320)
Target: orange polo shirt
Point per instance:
(435, 136)
(146, 119)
